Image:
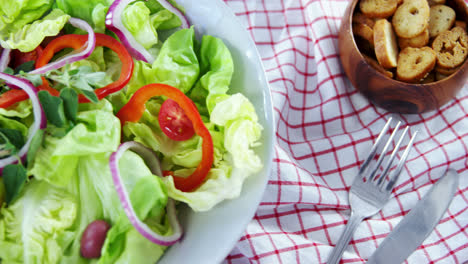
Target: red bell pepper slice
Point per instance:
(135, 107)
(76, 42)
(11, 97)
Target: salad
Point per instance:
(113, 113)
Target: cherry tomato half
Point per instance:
(174, 122)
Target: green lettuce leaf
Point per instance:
(217, 68)
(98, 131)
(21, 110)
(37, 227)
(144, 19)
(13, 124)
(98, 17)
(241, 130)
(176, 65)
(28, 37)
(136, 18)
(162, 18)
(82, 9)
(143, 74)
(14, 14)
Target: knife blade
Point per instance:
(410, 232)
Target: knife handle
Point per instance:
(343, 241)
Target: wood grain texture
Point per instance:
(392, 95)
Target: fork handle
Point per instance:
(343, 241)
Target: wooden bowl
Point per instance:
(390, 94)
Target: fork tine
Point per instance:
(392, 157)
(373, 151)
(396, 173)
(384, 151)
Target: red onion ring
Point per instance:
(39, 117)
(114, 24)
(153, 163)
(4, 59)
(91, 43)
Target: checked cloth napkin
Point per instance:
(324, 130)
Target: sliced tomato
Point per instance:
(174, 122)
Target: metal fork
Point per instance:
(368, 195)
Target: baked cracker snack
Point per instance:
(386, 48)
(451, 47)
(446, 71)
(419, 41)
(411, 18)
(378, 67)
(360, 18)
(378, 8)
(441, 19)
(415, 63)
(364, 31)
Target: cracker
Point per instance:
(451, 47)
(415, 63)
(360, 18)
(411, 18)
(378, 8)
(378, 67)
(446, 71)
(365, 32)
(441, 18)
(419, 41)
(386, 48)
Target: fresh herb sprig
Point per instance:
(14, 178)
(11, 141)
(15, 175)
(82, 79)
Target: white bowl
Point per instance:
(210, 236)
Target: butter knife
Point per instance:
(409, 234)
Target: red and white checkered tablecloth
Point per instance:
(325, 129)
